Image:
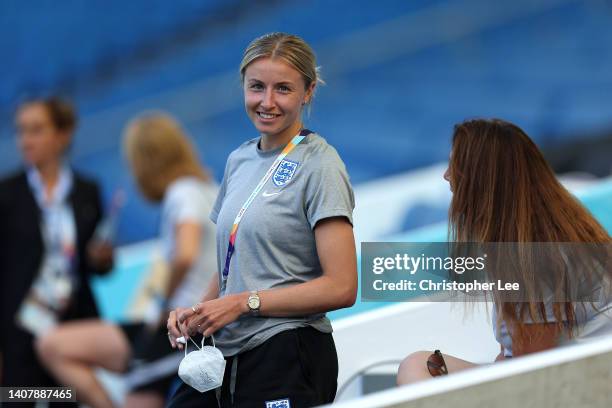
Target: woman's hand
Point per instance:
(101, 255)
(174, 328)
(208, 317)
(501, 356)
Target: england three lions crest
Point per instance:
(284, 172)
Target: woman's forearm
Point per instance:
(335, 289)
(319, 295)
(178, 271)
(316, 296)
(187, 247)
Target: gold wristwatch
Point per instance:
(253, 303)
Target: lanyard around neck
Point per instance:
(232, 239)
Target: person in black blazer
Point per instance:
(44, 130)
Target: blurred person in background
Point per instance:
(505, 191)
(166, 170)
(48, 250)
(292, 258)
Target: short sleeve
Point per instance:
(214, 214)
(549, 311)
(188, 203)
(328, 191)
(550, 316)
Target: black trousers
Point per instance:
(296, 368)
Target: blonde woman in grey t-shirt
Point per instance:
(289, 259)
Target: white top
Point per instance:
(189, 199)
(593, 321)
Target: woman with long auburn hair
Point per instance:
(504, 191)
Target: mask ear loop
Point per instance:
(194, 343)
(202, 345)
(213, 340)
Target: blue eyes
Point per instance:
(260, 87)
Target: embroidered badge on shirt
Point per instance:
(284, 172)
(281, 403)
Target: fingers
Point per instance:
(188, 320)
(186, 330)
(205, 318)
(174, 331)
(209, 331)
(100, 253)
(188, 312)
(196, 325)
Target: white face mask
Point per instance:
(202, 369)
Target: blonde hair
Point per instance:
(288, 47)
(159, 152)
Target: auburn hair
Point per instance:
(505, 191)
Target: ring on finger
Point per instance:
(194, 309)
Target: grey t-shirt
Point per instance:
(275, 245)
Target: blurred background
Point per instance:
(399, 75)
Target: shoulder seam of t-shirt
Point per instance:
(327, 157)
(233, 153)
(244, 145)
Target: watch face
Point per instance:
(254, 303)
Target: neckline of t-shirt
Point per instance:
(276, 151)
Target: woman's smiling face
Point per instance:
(274, 94)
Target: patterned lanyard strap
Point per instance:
(232, 240)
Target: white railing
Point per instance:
(568, 377)
(389, 334)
